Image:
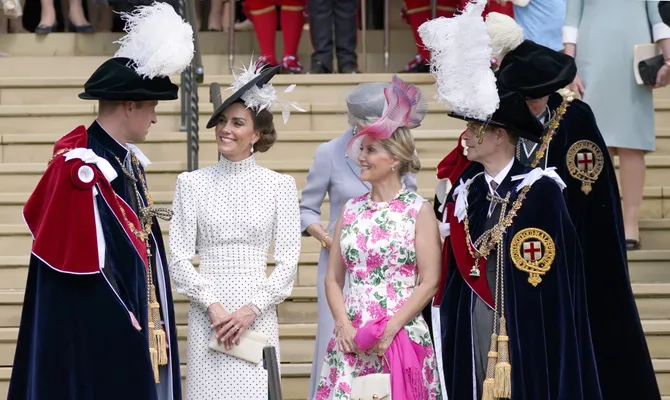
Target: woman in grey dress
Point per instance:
(338, 176)
(601, 35)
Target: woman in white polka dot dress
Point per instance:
(229, 215)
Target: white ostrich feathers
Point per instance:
(158, 40)
(506, 35)
(461, 62)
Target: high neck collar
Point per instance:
(237, 167)
(107, 141)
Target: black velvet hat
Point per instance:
(263, 78)
(513, 115)
(117, 80)
(535, 71)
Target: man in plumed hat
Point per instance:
(513, 310)
(98, 320)
(573, 145)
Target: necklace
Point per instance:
(492, 237)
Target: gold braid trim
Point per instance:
(553, 127)
(58, 153)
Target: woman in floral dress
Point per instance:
(389, 243)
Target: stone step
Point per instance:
(45, 90)
(171, 146)
(294, 380)
(319, 117)
(652, 299)
(296, 343)
(645, 266)
(402, 49)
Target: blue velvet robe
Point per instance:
(551, 350)
(618, 338)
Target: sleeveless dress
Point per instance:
(377, 245)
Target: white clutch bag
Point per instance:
(371, 387)
(250, 348)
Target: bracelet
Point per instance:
(254, 308)
(323, 240)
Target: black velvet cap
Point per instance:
(116, 80)
(514, 115)
(535, 71)
(263, 78)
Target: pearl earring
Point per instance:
(252, 148)
(393, 168)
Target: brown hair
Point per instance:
(263, 123)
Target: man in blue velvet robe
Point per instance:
(514, 253)
(98, 318)
(578, 151)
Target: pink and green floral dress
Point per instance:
(377, 244)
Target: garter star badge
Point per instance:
(533, 251)
(585, 162)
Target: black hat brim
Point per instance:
(117, 80)
(513, 115)
(263, 78)
(535, 71)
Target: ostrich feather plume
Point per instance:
(506, 35)
(461, 62)
(157, 39)
(264, 97)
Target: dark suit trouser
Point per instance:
(323, 14)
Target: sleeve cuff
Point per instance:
(261, 300)
(445, 229)
(308, 218)
(207, 300)
(570, 34)
(660, 31)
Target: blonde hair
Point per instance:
(401, 145)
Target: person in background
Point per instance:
(323, 16)
(263, 14)
(335, 174)
(593, 35)
(542, 21)
(387, 242)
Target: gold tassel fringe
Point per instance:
(488, 387)
(154, 364)
(503, 369)
(161, 343)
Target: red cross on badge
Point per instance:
(532, 250)
(585, 161)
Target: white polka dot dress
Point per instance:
(228, 214)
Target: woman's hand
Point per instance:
(663, 76)
(577, 86)
(231, 327)
(345, 338)
(385, 341)
(216, 313)
(329, 241)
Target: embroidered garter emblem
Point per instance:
(533, 251)
(585, 162)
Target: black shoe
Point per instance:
(349, 70)
(319, 68)
(80, 28)
(45, 30)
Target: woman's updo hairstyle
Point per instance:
(401, 145)
(264, 124)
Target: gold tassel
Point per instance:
(154, 364)
(487, 391)
(503, 370)
(161, 343)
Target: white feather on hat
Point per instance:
(506, 35)
(158, 40)
(461, 62)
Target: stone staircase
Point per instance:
(38, 104)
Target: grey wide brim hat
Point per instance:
(366, 102)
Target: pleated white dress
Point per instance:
(229, 214)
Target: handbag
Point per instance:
(250, 348)
(372, 386)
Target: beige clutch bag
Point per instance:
(371, 387)
(250, 348)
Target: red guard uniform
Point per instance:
(419, 11)
(263, 13)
